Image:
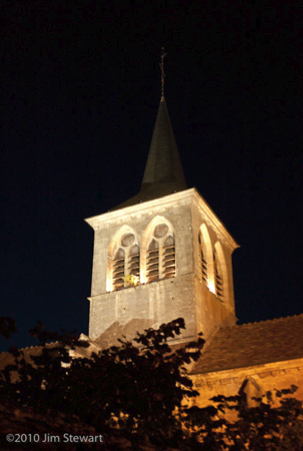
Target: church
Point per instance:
(164, 254)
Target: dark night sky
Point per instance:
(80, 92)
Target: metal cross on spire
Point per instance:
(163, 55)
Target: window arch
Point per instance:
(123, 260)
(158, 251)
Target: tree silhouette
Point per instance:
(139, 396)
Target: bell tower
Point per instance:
(161, 255)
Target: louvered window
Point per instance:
(160, 255)
(126, 263)
(169, 258)
(203, 267)
(119, 269)
(152, 262)
(218, 278)
(134, 261)
(203, 262)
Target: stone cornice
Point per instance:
(272, 369)
(98, 221)
(210, 217)
(145, 286)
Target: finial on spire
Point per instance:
(163, 55)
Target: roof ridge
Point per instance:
(31, 347)
(282, 318)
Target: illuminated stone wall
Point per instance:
(132, 309)
(260, 379)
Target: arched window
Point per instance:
(160, 257)
(219, 284)
(124, 261)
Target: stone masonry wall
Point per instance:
(137, 308)
(261, 378)
(149, 305)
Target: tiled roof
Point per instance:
(252, 344)
(243, 346)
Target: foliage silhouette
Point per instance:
(139, 396)
(7, 326)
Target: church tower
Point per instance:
(161, 255)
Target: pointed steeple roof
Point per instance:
(163, 162)
(163, 173)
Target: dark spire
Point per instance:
(163, 173)
(163, 163)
